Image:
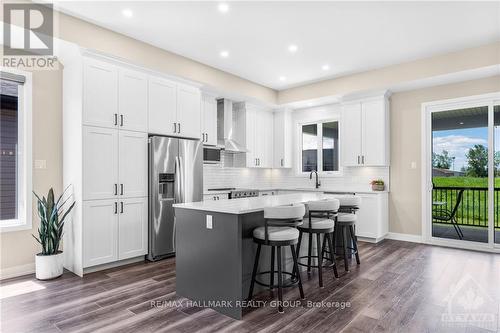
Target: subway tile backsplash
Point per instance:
(356, 179)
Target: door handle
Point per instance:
(358, 159)
(179, 127)
(116, 207)
(281, 162)
(116, 189)
(121, 207)
(121, 120)
(363, 159)
(121, 189)
(207, 136)
(116, 119)
(175, 127)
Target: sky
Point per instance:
(458, 142)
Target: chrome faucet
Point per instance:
(318, 183)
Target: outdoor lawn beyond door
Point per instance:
(462, 155)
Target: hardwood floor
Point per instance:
(399, 287)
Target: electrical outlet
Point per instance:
(209, 222)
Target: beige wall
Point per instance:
(464, 60)
(405, 197)
(18, 248)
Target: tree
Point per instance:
(442, 161)
(477, 160)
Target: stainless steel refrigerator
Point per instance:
(175, 176)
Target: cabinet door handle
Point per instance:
(121, 120)
(116, 189)
(259, 161)
(179, 127)
(121, 189)
(116, 207)
(281, 162)
(207, 137)
(121, 207)
(363, 159)
(358, 159)
(116, 119)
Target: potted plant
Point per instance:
(378, 185)
(49, 262)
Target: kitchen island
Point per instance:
(215, 249)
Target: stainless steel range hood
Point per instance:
(226, 128)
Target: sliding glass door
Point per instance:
(460, 166)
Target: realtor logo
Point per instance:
(28, 29)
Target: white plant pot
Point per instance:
(49, 267)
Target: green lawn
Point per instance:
(473, 209)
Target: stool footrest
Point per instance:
(292, 282)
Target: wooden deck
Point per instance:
(399, 287)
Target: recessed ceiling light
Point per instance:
(461, 123)
(293, 48)
(282, 78)
(223, 7)
(325, 67)
(127, 12)
(224, 54)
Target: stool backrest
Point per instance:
(291, 212)
(326, 205)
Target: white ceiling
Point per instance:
(348, 36)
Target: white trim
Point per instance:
(12, 272)
(404, 237)
(25, 144)
(426, 167)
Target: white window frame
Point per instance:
(24, 157)
(298, 166)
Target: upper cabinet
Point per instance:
(100, 93)
(162, 109)
(114, 97)
(282, 139)
(174, 109)
(188, 111)
(133, 100)
(209, 120)
(365, 132)
(259, 137)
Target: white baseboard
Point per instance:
(16, 271)
(404, 237)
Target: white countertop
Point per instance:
(328, 190)
(250, 205)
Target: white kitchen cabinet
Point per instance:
(100, 232)
(372, 222)
(209, 120)
(100, 93)
(259, 138)
(188, 111)
(162, 106)
(100, 163)
(133, 100)
(282, 156)
(365, 133)
(133, 164)
(132, 228)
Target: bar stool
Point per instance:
(345, 227)
(279, 230)
(319, 209)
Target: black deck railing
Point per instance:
(473, 209)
